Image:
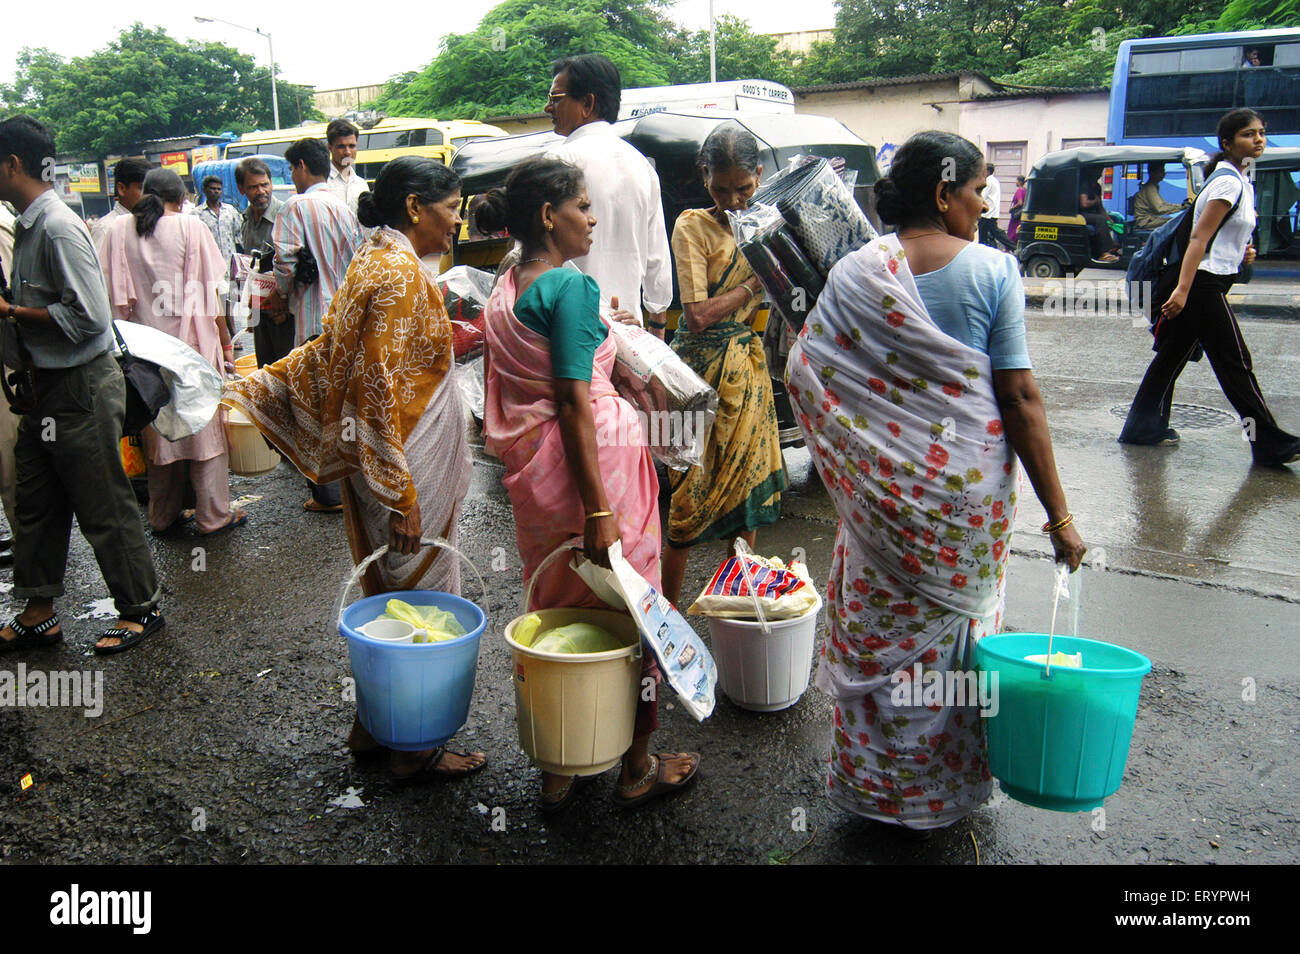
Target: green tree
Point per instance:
(1089, 62)
(740, 54)
(1244, 15)
(146, 85)
(503, 66)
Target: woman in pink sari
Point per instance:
(164, 269)
(576, 460)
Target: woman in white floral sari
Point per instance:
(915, 397)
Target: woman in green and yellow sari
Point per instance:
(737, 488)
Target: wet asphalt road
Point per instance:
(223, 740)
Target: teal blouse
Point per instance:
(563, 305)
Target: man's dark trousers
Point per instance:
(68, 459)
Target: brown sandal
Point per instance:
(660, 786)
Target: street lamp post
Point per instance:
(713, 47)
(275, 99)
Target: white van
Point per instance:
(751, 96)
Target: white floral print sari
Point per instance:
(905, 430)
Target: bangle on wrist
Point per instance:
(600, 513)
(1050, 528)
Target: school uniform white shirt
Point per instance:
(629, 257)
(347, 187)
(1229, 248)
(99, 231)
(992, 194)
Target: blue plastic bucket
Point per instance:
(1060, 740)
(413, 696)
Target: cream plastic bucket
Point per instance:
(764, 672)
(576, 713)
(250, 455)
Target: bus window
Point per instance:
(1206, 59)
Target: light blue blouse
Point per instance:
(979, 299)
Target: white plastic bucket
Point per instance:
(764, 672)
(576, 713)
(250, 455)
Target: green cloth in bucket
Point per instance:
(577, 638)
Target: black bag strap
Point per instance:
(121, 342)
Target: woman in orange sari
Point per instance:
(373, 402)
(576, 460)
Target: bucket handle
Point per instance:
(573, 543)
(743, 554)
(361, 568)
(1062, 588)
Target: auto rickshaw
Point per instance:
(672, 141)
(1056, 239)
(1277, 234)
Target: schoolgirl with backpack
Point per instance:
(1193, 261)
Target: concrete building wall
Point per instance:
(335, 102)
(1040, 122)
(801, 41)
(532, 122)
(885, 115)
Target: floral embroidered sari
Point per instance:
(905, 429)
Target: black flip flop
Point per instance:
(152, 622)
(429, 770)
(32, 637)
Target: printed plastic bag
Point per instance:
(465, 292)
(684, 659)
(784, 592)
(676, 406)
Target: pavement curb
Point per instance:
(1283, 306)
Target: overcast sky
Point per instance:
(350, 44)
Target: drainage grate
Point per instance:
(1189, 417)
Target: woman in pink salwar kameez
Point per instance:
(576, 460)
(164, 270)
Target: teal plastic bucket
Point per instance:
(1060, 740)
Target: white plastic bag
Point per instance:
(685, 661)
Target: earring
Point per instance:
(944, 207)
(415, 220)
(549, 226)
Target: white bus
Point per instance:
(751, 96)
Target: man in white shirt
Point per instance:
(128, 183)
(629, 257)
(344, 182)
(990, 234)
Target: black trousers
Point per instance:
(272, 342)
(1206, 321)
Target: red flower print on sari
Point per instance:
(994, 428)
(895, 319)
(876, 385)
(937, 456)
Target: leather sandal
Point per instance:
(660, 786)
(553, 803)
(32, 637)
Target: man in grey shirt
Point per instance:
(57, 333)
(273, 333)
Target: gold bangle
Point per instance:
(750, 292)
(1050, 528)
(600, 513)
